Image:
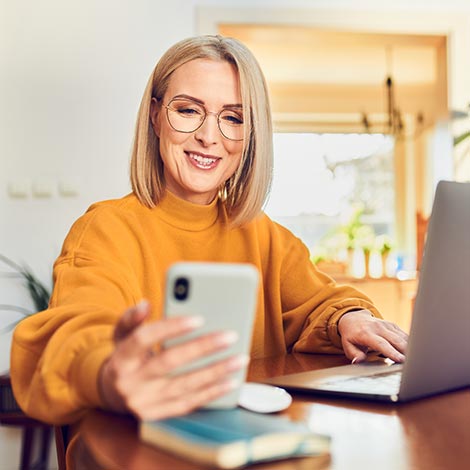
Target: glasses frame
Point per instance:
(169, 108)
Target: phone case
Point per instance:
(225, 294)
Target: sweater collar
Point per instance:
(186, 215)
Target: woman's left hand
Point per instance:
(361, 332)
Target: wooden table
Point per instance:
(427, 434)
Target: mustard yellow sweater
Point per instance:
(118, 253)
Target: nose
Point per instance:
(208, 133)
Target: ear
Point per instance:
(154, 116)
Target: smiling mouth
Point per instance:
(202, 162)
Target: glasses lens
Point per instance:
(187, 116)
(231, 124)
(184, 115)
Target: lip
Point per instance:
(201, 160)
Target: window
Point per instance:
(319, 179)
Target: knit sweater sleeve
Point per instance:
(312, 302)
(56, 354)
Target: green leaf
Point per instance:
(461, 138)
(9, 327)
(38, 292)
(15, 308)
(10, 263)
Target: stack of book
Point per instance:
(234, 438)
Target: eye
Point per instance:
(187, 109)
(232, 117)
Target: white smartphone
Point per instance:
(225, 295)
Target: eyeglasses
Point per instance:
(185, 115)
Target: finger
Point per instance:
(168, 360)
(156, 332)
(131, 318)
(382, 346)
(206, 376)
(186, 403)
(393, 328)
(135, 350)
(354, 352)
(398, 342)
(394, 335)
(142, 341)
(169, 390)
(400, 332)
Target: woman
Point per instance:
(200, 171)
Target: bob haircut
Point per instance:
(245, 193)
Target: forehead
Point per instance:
(212, 81)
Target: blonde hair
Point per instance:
(245, 193)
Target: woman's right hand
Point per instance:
(137, 378)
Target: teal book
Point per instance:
(233, 438)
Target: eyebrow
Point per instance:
(197, 100)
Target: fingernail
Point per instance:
(195, 321)
(354, 360)
(142, 305)
(230, 384)
(227, 337)
(237, 362)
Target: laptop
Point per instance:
(438, 353)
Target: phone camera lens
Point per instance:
(181, 288)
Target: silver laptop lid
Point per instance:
(438, 355)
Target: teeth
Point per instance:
(204, 161)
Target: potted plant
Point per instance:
(40, 295)
(384, 246)
(38, 292)
(365, 238)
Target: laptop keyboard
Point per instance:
(385, 383)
